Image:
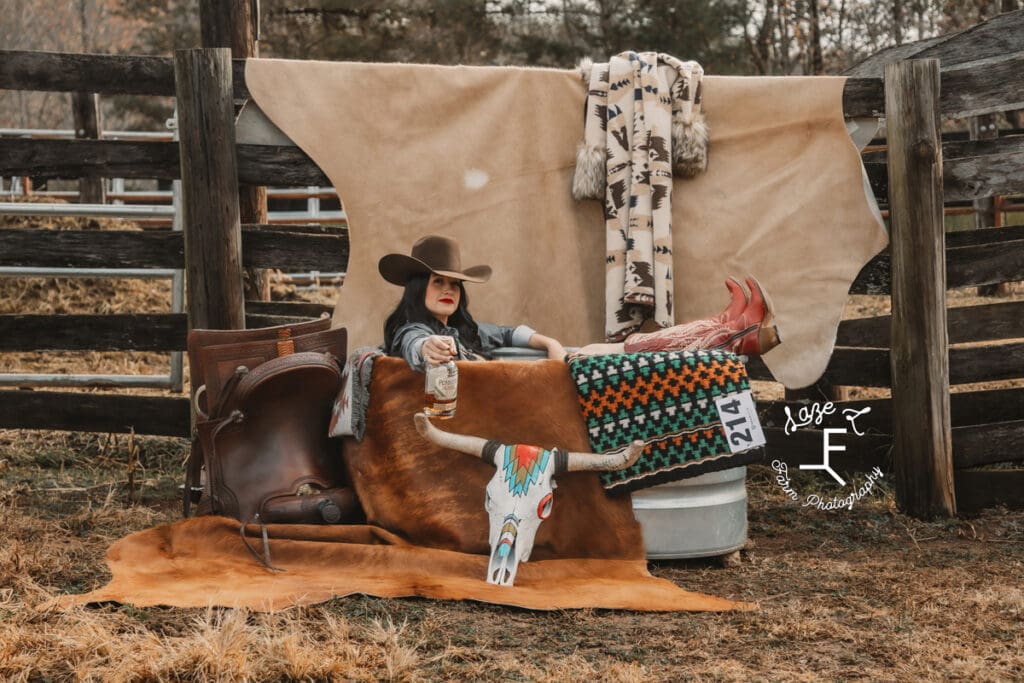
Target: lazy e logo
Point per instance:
(814, 415)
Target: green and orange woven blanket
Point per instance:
(667, 399)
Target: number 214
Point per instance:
(735, 437)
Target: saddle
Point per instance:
(262, 408)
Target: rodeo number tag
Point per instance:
(739, 420)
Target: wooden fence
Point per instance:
(289, 248)
(983, 427)
(923, 348)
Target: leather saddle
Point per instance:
(262, 407)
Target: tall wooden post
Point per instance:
(232, 24)
(920, 342)
(209, 184)
(85, 108)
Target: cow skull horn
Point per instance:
(471, 445)
(613, 460)
(575, 462)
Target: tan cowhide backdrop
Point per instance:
(486, 154)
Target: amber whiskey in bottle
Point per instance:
(442, 390)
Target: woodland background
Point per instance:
(742, 37)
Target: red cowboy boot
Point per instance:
(753, 332)
(746, 327)
(705, 333)
(739, 301)
(696, 334)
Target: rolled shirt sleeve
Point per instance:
(408, 343)
(494, 336)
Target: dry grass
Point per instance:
(863, 594)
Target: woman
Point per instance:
(432, 324)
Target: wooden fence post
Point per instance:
(232, 23)
(986, 214)
(919, 357)
(209, 184)
(88, 125)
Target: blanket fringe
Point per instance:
(588, 182)
(585, 66)
(689, 145)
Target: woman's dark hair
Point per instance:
(413, 309)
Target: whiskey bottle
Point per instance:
(442, 389)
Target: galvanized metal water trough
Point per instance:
(703, 516)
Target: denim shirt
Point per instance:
(408, 341)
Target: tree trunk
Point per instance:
(762, 46)
(817, 63)
(897, 21)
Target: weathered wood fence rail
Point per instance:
(296, 248)
(986, 426)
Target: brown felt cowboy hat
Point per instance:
(430, 254)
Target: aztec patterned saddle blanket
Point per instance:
(692, 409)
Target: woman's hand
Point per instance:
(556, 351)
(439, 349)
(552, 346)
(600, 349)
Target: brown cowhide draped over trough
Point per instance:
(428, 533)
(435, 497)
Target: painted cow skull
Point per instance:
(520, 494)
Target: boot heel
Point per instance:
(760, 333)
(767, 338)
(768, 333)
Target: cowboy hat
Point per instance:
(430, 254)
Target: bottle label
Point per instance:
(442, 387)
(446, 387)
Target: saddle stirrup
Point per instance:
(265, 560)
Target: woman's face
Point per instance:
(442, 298)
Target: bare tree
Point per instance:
(817, 62)
(61, 26)
(897, 21)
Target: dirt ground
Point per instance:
(863, 593)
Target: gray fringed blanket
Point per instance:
(348, 414)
